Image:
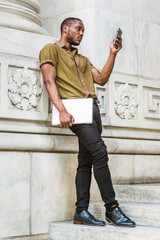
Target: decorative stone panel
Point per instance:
(125, 101)
(24, 89)
(133, 102)
(103, 103)
(102, 97)
(23, 94)
(152, 103)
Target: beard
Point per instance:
(72, 42)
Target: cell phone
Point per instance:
(118, 33)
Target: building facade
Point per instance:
(38, 161)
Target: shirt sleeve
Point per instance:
(90, 64)
(48, 54)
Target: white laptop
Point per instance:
(81, 109)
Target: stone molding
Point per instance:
(69, 144)
(22, 15)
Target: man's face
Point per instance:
(75, 33)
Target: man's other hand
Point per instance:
(66, 119)
(118, 43)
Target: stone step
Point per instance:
(142, 193)
(144, 214)
(70, 231)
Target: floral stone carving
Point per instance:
(125, 102)
(24, 89)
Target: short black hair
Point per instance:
(69, 21)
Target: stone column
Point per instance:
(21, 14)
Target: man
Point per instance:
(68, 74)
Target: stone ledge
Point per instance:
(68, 144)
(145, 214)
(70, 231)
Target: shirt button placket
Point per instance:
(82, 82)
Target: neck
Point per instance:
(68, 45)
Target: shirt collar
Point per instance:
(74, 50)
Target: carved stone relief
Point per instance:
(125, 101)
(101, 94)
(24, 89)
(152, 103)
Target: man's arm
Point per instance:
(102, 77)
(49, 76)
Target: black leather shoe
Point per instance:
(118, 218)
(87, 218)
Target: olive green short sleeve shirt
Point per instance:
(73, 75)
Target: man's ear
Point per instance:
(65, 28)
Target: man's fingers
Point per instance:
(119, 37)
(62, 125)
(118, 43)
(66, 124)
(67, 120)
(72, 119)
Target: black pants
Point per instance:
(92, 152)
